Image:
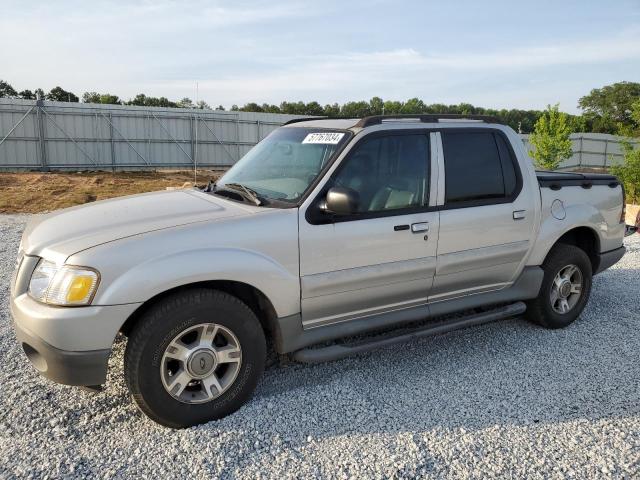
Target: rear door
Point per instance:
(383, 257)
(487, 220)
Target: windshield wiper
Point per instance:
(246, 192)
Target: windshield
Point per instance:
(282, 166)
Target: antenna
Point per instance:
(195, 148)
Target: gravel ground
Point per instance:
(502, 400)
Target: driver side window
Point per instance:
(388, 172)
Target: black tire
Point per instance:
(161, 324)
(540, 309)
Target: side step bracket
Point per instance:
(337, 351)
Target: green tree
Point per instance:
(413, 105)
(609, 108)
(185, 103)
(268, 108)
(313, 108)
(392, 107)
(376, 106)
(293, 108)
(91, 97)
(143, 101)
(331, 111)
(59, 94)
(220, 107)
(104, 98)
(629, 171)
(27, 95)
(355, 109)
(550, 139)
(251, 107)
(7, 90)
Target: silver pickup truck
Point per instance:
(330, 237)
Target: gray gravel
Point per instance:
(502, 400)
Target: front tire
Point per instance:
(565, 288)
(194, 357)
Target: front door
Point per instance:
(382, 257)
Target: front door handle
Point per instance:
(420, 227)
(519, 214)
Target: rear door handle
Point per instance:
(420, 227)
(519, 214)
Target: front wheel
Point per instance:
(193, 357)
(565, 288)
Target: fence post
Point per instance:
(237, 137)
(606, 147)
(113, 148)
(191, 134)
(96, 134)
(42, 140)
(580, 152)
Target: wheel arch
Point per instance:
(253, 297)
(585, 238)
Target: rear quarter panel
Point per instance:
(598, 208)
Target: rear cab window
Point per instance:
(480, 168)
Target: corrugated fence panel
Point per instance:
(20, 148)
(82, 136)
(592, 150)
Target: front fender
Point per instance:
(159, 274)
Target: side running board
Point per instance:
(337, 351)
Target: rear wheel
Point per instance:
(193, 357)
(565, 288)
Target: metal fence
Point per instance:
(592, 150)
(75, 136)
(79, 136)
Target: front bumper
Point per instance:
(85, 368)
(69, 345)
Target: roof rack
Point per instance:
(304, 119)
(428, 118)
(424, 118)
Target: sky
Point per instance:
(499, 54)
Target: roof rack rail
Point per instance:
(424, 118)
(304, 119)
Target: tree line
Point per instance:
(605, 110)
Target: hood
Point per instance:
(65, 232)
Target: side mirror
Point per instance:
(342, 201)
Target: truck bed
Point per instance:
(557, 180)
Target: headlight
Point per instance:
(63, 284)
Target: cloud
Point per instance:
(401, 73)
(267, 51)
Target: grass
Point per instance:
(33, 192)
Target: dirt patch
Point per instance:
(41, 192)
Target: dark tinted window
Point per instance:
(473, 169)
(388, 172)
